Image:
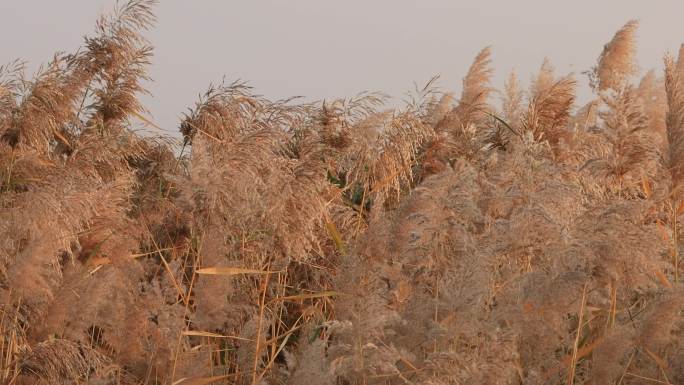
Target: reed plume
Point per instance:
(549, 107)
(616, 62)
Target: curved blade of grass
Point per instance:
(498, 119)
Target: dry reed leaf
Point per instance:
(98, 261)
(662, 364)
(195, 333)
(646, 185)
(61, 138)
(299, 297)
(582, 352)
(201, 380)
(663, 279)
(231, 271)
(146, 120)
(664, 235)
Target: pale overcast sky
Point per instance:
(325, 49)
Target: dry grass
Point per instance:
(339, 242)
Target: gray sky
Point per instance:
(325, 49)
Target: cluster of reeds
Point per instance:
(447, 241)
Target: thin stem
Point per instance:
(675, 243)
(575, 348)
(261, 318)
